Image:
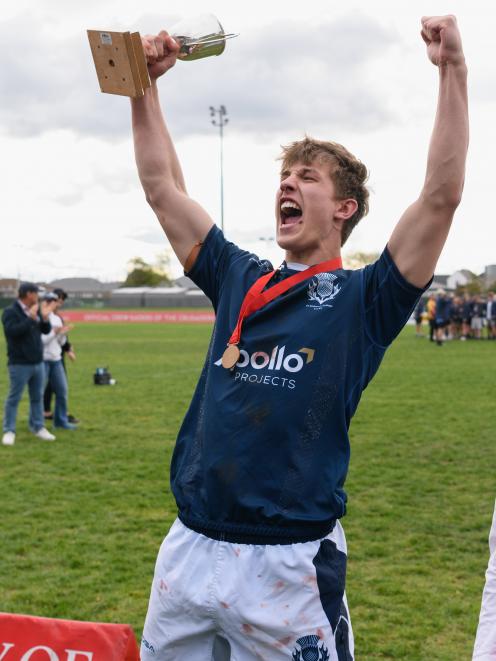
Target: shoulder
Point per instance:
(223, 256)
(384, 272)
(11, 311)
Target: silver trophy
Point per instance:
(120, 61)
(199, 37)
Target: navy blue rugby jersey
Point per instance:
(264, 449)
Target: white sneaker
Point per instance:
(44, 435)
(8, 438)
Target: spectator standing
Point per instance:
(67, 349)
(443, 306)
(491, 316)
(467, 317)
(477, 315)
(449, 314)
(24, 323)
(431, 316)
(419, 311)
(456, 317)
(54, 369)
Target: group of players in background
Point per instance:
(457, 317)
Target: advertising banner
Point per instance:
(28, 638)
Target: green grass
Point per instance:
(82, 518)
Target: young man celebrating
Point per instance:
(255, 565)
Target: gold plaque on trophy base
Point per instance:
(120, 62)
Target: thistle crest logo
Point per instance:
(310, 648)
(322, 288)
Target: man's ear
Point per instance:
(345, 209)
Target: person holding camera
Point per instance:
(25, 322)
(67, 350)
(54, 368)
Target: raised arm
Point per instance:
(419, 236)
(184, 221)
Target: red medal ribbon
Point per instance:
(256, 298)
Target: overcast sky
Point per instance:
(354, 72)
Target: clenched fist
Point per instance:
(161, 53)
(444, 43)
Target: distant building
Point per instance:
(490, 276)
(460, 279)
(85, 288)
(185, 293)
(439, 282)
(8, 287)
(159, 297)
(185, 283)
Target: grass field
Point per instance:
(82, 518)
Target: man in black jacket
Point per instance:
(23, 323)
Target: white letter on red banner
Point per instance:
(51, 654)
(6, 648)
(73, 654)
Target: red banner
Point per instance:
(119, 316)
(27, 638)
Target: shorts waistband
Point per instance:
(260, 538)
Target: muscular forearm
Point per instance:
(184, 221)
(448, 148)
(419, 236)
(156, 158)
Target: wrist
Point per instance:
(457, 64)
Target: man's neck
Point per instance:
(296, 266)
(311, 257)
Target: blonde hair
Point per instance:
(347, 173)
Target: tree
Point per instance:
(357, 260)
(472, 288)
(142, 274)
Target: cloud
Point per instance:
(279, 77)
(69, 199)
(112, 177)
(154, 237)
(45, 246)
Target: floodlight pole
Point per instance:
(220, 119)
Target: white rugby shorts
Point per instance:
(485, 642)
(218, 601)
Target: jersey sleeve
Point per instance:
(215, 263)
(388, 299)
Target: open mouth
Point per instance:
(290, 213)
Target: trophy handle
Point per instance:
(213, 39)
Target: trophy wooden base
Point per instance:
(120, 62)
